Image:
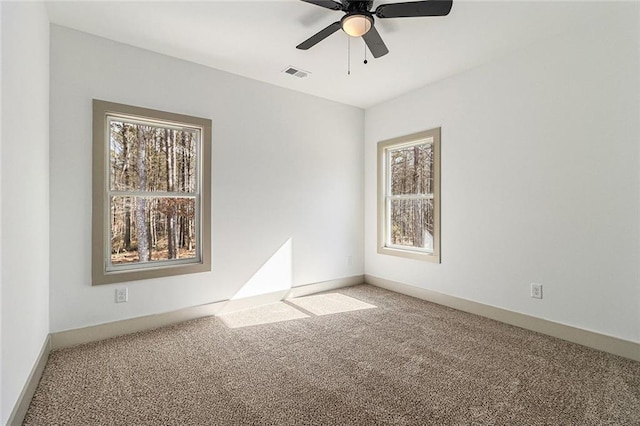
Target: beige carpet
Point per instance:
(401, 362)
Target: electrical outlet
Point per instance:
(536, 291)
(349, 260)
(122, 295)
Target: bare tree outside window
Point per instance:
(411, 176)
(147, 161)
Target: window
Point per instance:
(151, 186)
(409, 196)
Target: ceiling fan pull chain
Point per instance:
(348, 55)
(365, 52)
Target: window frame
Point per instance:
(383, 217)
(102, 271)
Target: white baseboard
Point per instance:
(602, 342)
(308, 289)
(93, 333)
(24, 400)
(300, 291)
(252, 301)
(64, 339)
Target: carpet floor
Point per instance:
(402, 361)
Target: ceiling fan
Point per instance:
(358, 19)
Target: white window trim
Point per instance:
(384, 147)
(102, 271)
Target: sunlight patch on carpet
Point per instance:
(332, 303)
(265, 314)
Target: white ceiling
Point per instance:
(257, 39)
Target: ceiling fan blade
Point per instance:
(318, 37)
(375, 43)
(328, 4)
(414, 8)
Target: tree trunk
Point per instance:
(127, 200)
(150, 230)
(142, 232)
(153, 235)
(172, 214)
(418, 224)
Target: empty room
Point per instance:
(320, 212)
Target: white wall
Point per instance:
(540, 178)
(25, 193)
(285, 165)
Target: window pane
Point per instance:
(412, 223)
(150, 158)
(411, 170)
(157, 228)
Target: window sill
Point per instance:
(409, 254)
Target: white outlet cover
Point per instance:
(122, 295)
(536, 291)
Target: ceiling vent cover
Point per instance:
(296, 72)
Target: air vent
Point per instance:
(296, 72)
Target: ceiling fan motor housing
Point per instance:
(357, 6)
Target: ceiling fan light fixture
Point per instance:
(356, 24)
